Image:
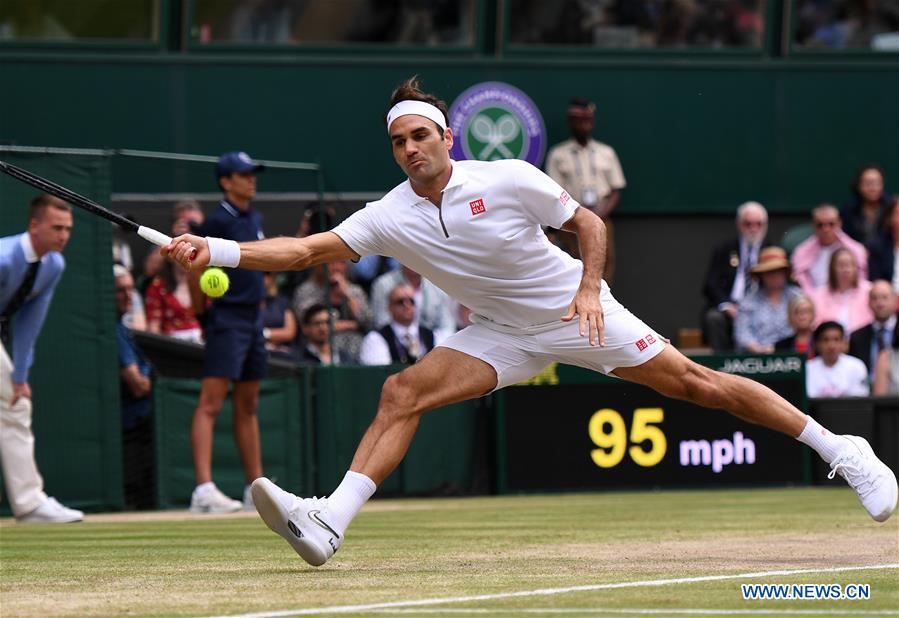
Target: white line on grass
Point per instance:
(636, 610)
(346, 609)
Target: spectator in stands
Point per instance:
(369, 268)
(833, 373)
(136, 391)
(728, 278)
(136, 317)
(845, 297)
(315, 219)
(235, 359)
(886, 371)
(811, 259)
(590, 171)
(169, 302)
(403, 340)
(867, 342)
(317, 339)
(31, 265)
(279, 325)
(434, 306)
(353, 314)
(762, 320)
(801, 312)
(187, 218)
(863, 213)
(884, 259)
(121, 250)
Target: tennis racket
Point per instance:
(147, 233)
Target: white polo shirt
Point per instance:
(484, 246)
(847, 378)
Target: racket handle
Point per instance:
(154, 236)
(158, 238)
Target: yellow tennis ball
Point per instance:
(214, 282)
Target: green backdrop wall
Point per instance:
(283, 430)
(74, 378)
(692, 135)
(442, 459)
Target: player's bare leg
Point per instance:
(315, 527)
(674, 375)
(443, 376)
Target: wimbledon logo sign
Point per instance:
(494, 120)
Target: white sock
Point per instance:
(202, 488)
(347, 500)
(824, 442)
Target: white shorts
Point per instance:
(518, 355)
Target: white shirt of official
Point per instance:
(847, 378)
(484, 246)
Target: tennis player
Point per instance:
(474, 229)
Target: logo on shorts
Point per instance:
(564, 197)
(495, 120)
(641, 344)
(477, 206)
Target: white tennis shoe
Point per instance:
(211, 500)
(303, 522)
(51, 512)
(248, 499)
(872, 480)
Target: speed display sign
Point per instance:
(572, 429)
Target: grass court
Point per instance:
(622, 553)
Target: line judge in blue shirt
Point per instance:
(235, 344)
(31, 264)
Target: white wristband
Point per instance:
(223, 252)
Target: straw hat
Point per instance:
(771, 259)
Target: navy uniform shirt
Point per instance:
(247, 288)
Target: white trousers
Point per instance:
(24, 484)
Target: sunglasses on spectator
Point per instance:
(403, 300)
(820, 224)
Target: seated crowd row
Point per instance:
(844, 275)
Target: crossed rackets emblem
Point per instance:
(495, 134)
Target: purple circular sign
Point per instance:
(494, 120)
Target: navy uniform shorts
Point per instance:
(235, 347)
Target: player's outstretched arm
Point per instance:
(272, 254)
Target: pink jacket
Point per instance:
(806, 254)
(831, 305)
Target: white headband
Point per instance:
(418, 108)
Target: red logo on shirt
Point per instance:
(642, 345)
(650, 339)
(564, 197)
(477, 206)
